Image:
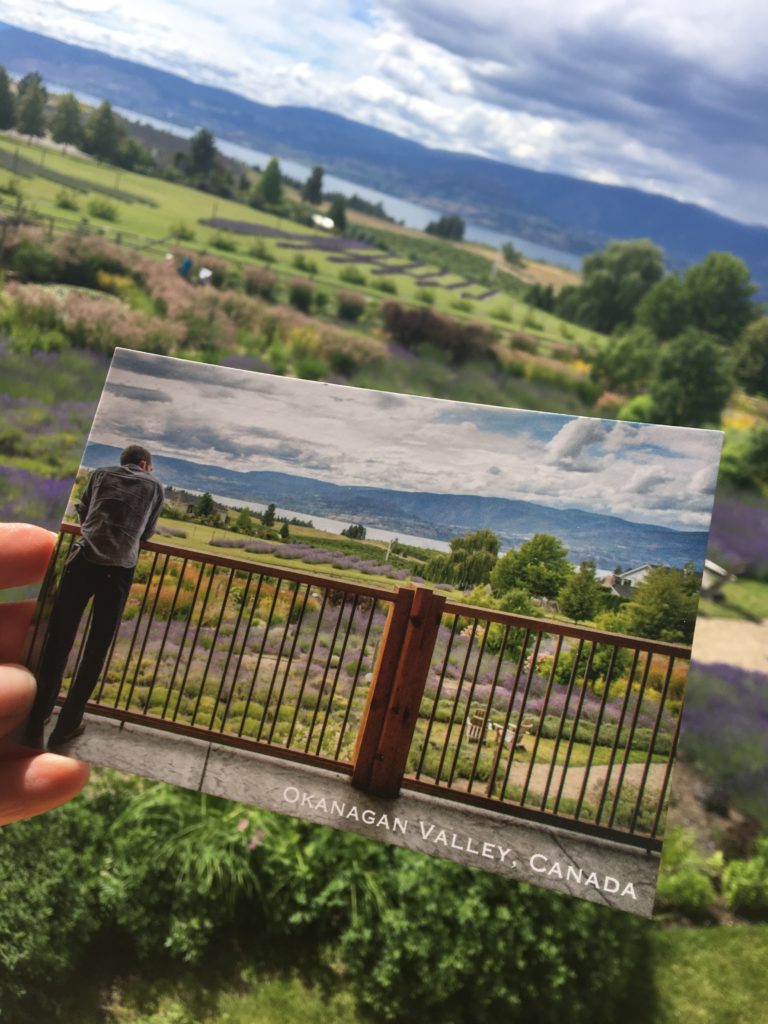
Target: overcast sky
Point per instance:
(244, 421)
(669, 96)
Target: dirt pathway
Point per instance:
(731, 642)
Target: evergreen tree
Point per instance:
(580, 597)
(32, 80)
(271, 183)
(285, 532)
(338, 213)
(204, 506)
(268, 515)
(450, 227)
(7, 102)
(202, 153)
(103, 133)
(30, 116)
(244, 523)
(312, 190)
(66, 122)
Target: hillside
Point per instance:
(552, 209)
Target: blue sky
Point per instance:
(665, 95)
(247, 421)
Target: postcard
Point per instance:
(457, 628)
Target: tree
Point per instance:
(356, 531)
(271, 183)
(338, 213)
(693, 381)
(663, 606)
(103, 133)
(469, 564)
(7, 102)
(580, 597)
(285, 531)
(615, 280)
(627, 361)
(202, 153)
(204, 507)
(66, 122)
(539, 566)
(512, 255)
(268, 515)
(312, 190)
(450, 227)
(244, 522)
(719, 292)
(32, 80)
(30, 116)
(664, 309)
(751, 357)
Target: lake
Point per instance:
(413, 215)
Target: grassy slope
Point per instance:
(177, 204)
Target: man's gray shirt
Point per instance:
(118, 510)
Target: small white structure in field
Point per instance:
(321, 221)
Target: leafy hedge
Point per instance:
(172, 880)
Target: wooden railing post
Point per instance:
(392, 708)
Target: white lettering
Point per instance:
(610, 884)
(629, 890)
(441, 837)
(537, 857)
(368, 816)
(337, 808)
(503, 854)
(592, 880)
(400, 826)
(426, 834)
(291, 794)
(574, 875)
(555, 870)
(321, 805)
(352, 813)
(487, 851)
(306, 800)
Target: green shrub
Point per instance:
(303, 262)
(688, 891)
(462, 305)
(426, 296)
(352, 275)
(223, 242)
(300, 295)
(33, 260)
(66, 199)
(385, 284)
(745, 883)
(183, 232)
(350, 306)
(103, 209)
(261, 282)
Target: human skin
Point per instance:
(30, 782)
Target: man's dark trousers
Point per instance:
(81, 580)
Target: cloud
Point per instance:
(654, 94)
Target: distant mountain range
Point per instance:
(565, 213)
(608, 540)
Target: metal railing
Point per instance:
(547, 720)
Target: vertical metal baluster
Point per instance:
(508, 716)
(356, 679)
(630, 737)
(526, 693)
(472, 687)
(276, 669)
(574, 727)
(168, 621)
(438, 691)
(326, 670)
(183, 640)
(489, 707)
(544, 704)
(560, 726)
(617, 738)
(254, 677)
(652, 744)
(200, 620)
(291, 656)
(598, 724)
(243, 645)
(212, 648)
(307, 668)
(146, 634)
(332, 694)
(136, 629)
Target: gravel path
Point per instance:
(731, 642)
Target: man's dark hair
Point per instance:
(133, 455)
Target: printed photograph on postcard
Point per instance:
(457, 628)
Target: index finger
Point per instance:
(24, 553)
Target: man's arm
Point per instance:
(157, 508)
(83, 504)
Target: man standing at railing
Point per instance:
(118, 510)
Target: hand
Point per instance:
(29, 783)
